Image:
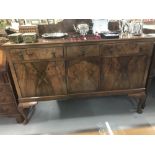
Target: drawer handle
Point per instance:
(82, 52)
(29, 53)
(53, 54)
(20, 54)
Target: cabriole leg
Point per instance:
(26, 109)
(141, 99)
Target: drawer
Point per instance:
(17, 54)
(36, 53)
(88, 50)
(123, 49)
(8, 109)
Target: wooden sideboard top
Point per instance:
(74, 41)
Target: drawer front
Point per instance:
(36, 53)
(124, 49)
(8, 109)
(89, 50)
(17, 54)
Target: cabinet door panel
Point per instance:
(83, 75)
(120, 73)
(41, 78)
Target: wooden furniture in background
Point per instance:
(8, 102)
(59, 69)
(28, 29)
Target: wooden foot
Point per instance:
(141, 99)
(26, 109)
(19, 119)
(139, 108)
(143, 105)
(21, 110)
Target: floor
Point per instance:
(100, 114)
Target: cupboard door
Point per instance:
(127, 72)
(83, 74)
(45, 78)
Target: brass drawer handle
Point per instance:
(83, 53)
(29, 53)
(20, 54)
(53, 55)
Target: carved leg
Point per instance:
(139, 108)
(23, 113)
(143, 105)
(26, 109)
(141, 99)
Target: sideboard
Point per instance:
(61, 69)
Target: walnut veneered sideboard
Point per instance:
(58, 69)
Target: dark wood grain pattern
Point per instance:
(123, 72)
(83, 75)
(41, 78)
